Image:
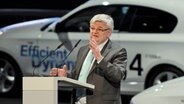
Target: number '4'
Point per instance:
(136, 64)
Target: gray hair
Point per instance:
(103, 18)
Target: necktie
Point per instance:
(80, 92)
(86, 67)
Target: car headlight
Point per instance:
(1, 32)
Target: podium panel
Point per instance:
(40, 90)
(44, 90)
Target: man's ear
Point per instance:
(109, 33)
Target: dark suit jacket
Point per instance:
(106, 76)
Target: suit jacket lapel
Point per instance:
(83, 56)
(106, 49)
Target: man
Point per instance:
(107, 68)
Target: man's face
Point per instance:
(100, 32)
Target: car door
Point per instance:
(146, 34)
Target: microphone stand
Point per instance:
(63, 62)
(46, 58)
(71, 51)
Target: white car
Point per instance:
(170, 92)
(151, 31)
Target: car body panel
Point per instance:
(170, 92)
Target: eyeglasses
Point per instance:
(99, 29)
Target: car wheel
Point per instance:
(162, 74)
(10, 77)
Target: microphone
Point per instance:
(47, 57)
(70, 52)
(63, 61)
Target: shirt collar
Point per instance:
(100, 46)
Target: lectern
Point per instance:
(44, 90)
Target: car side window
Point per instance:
(79, 22)
(127, 18)
(149, 20)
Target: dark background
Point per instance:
(15, 11)
(41, 4)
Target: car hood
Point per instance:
(33, 26)
(172, 87)
(170, 92)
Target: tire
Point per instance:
(10, 77)
(162, 74)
